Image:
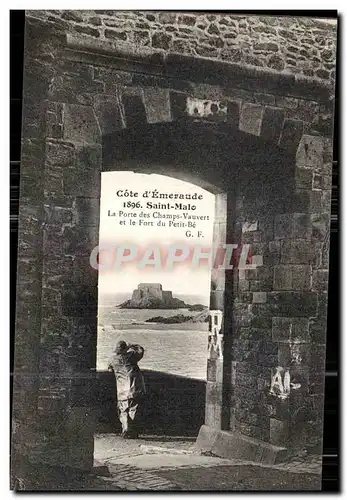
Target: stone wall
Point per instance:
(280, 309)
(290, 44)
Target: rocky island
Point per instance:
(152, 296)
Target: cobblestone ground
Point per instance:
(159, 463)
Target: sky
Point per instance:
(182, 278)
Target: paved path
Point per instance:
(161, 463)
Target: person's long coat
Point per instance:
(130, 382)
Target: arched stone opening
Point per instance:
(279, 203)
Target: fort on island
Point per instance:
(152, 296)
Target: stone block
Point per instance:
(303, 177)
(79, 240)
(291, 135)
(289, 329)
(292, 277)
(257, 260)
(283, 226)
(267, 99)
(60, 154)
(157, 104)
(296, 252)
(320, 201)
(108, 113)
(80, 301)
(80, 125)
(214, 392)
(57, 270)
(272, 124)
(286, 102)
(293, 303)
(317, 330)
(52, 242)
(321, 181)
(206, 437)
(217, 300)
(212, 415)
(251, 118)
(261, 316)
(320, 280)
(301, 201)
(83, 272)
(297, 225)
(233, 445)
(250, 226)
(87, 211)
(134, 109)
(54, 120)
(242, 314)
(279, 432)
(259, 297)
(243, 285)
(310, 152)
(273, 256)
(293, 354)
(178, 105)
(233, 117)
(211, 370)
(74, 84)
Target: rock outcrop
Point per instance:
(152, 296)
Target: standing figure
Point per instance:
(130, 386)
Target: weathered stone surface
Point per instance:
(135, 113)
(79, 240)
(80, 302)
(233, 113)
(321, 181)
(297, 225)
(60, 154)
(303, 178)
(233, 445)
(178, 102)
(320, 225)
(320, 280)
(293, 354)
(250, 226)
(85, 178)
(279, 432)
(80, 124)
(207, 109)
(274, 44)
(310, 152)
(272, 124)
(157, 104)
(289, 329)
(291, 135)
(74, 84)
(292, 277)
(318, 330)
(296, 252)
(87, 211)
(108, 113)
(286, 303)
(259, 298)
(251, 118)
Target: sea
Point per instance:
(179, 349)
